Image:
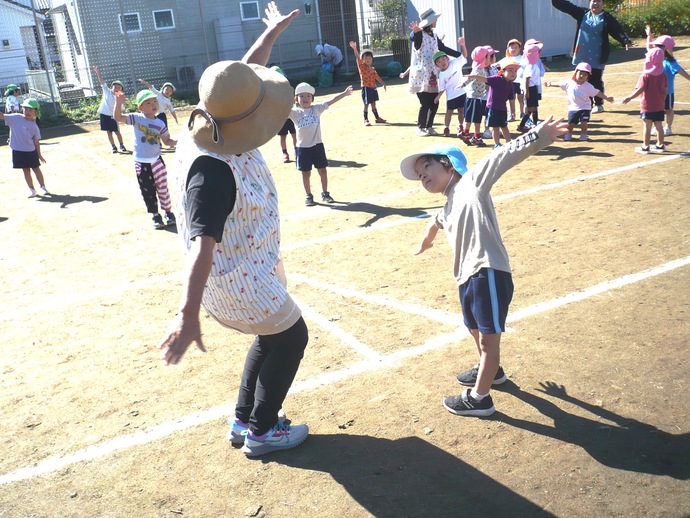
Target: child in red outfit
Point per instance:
(369, 77)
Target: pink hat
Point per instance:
(479, 55)
(489, 50)
(665, 41)
(584, 67)
(532, 41)
(532, 54)
(654, 62)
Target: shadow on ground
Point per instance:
(406, 477)
(379, 212)
(67, 199)
(626, 444)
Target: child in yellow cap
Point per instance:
(152, 174)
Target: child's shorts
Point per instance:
(108, 123)
(670, 100)
(369, 95)
(162, 116)
(457, 103)
(24, 159)
(288, 127)
(652, 116)
(475, 109)
(579, 116)
(533, 100)
(485, 298)
(517, 88)
(309, 157)
(497, 118)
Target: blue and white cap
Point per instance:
(456, 157)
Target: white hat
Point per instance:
(428, 17)
(305, 88)
(241, 107)
(318, 49)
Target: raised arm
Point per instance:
(98, 75)
(120, 100)
(146, 84)
(353, 45)
(463, 48)
(335, 99)
(276, 23)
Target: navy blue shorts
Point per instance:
(533, 100)
(497, 118)
(25, 159)
(457, 103)
(308, 157)
(108, 123)
(369, 95)
(579, 116)
(475, 109)
(288, 127)
(485, 298)
(652, 116)
(517, 88)
(163, 117)
(670, 100)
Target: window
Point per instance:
(163, 19)
(250, 11)
(6, 44)
(130, 22)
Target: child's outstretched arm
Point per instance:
(429, 237)
(335, 99)
(629, 98)
(463, 48)
(146, 84)
(98, 75)
(353, 45)
(120, 100)
(276, 23)
(473, 77)
(605, 97)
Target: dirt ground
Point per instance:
(593, 421)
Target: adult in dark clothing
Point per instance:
(591, 44)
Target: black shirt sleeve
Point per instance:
(211, 191)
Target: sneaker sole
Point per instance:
(263, 449)
(475, 412)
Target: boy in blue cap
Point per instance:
(480, 260)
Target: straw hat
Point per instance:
(428, 17)
(241, 107)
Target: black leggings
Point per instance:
(427, 109)
(269, 370)
(596, 79)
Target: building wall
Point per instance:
(13, 64)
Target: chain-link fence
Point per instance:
(128, 40)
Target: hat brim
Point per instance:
(428, 21)
(407, 164)
(253, 130)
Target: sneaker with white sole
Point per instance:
(568, 137)
(158, 222)
(465, 404)
(668, 131)
(432, 132)
(653, 133)
(643, 150)
(422, 132)
(584, 136)
(487, 134)
(326, 197)
(239, 429)
(170, 219)
(657, 148)
(32, 192)
(469, 377)
(309, 200)
(44, 191)
(598, 108)
(281, 437)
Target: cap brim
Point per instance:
(407, 166)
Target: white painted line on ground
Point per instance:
(163, 430)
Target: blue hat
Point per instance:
(456, 157)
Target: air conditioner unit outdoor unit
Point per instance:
(187, 74)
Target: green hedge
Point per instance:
(670, 17)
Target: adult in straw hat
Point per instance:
(228, 220)
(591, 43)
(423, 73)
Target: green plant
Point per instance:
(664, 17)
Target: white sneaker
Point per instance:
(44, 190)
(584, 136)
(431, 131)
(421, 132)
(598, 108)
(653, 133)
(668, 131)
(567, 137)
(281, 437)
(32, 192)
(642, 150)
(487, 134)
(239, 430)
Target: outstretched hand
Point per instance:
(555, 128)
(182, 332)
(553, 389)
(277, 20)
(120, 98)
(414, 25)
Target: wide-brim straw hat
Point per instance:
(241, 107)
(427, 18)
